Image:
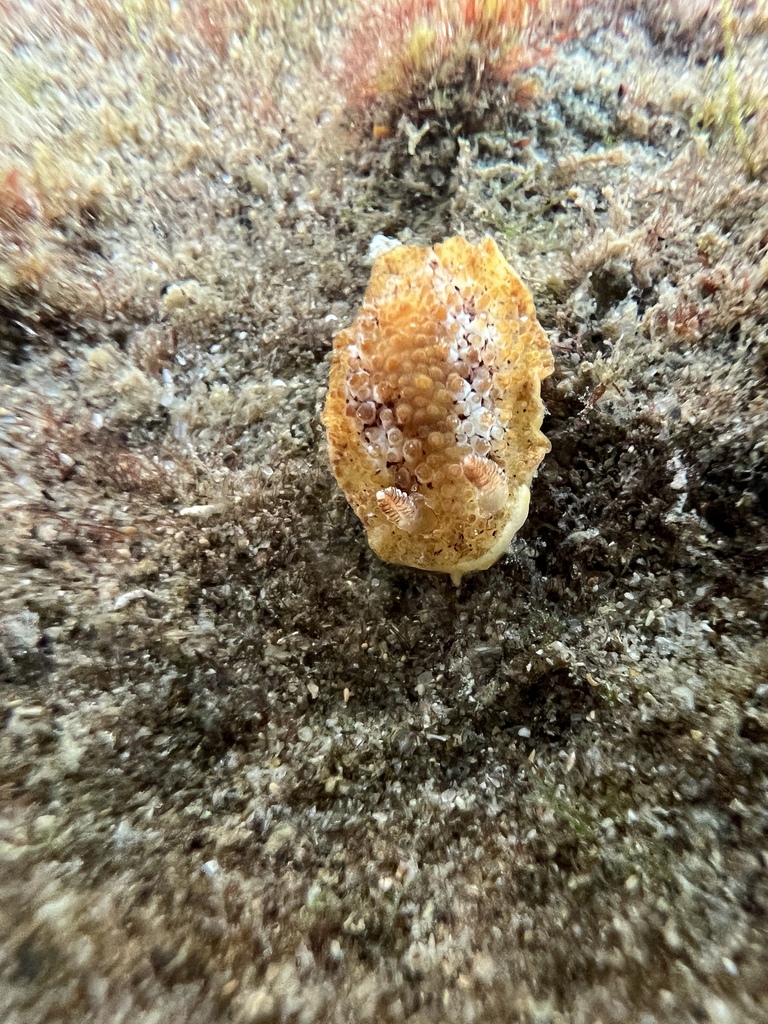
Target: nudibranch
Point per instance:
(434, 406)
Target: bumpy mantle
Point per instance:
(434, 406)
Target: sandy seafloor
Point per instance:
(248, 772)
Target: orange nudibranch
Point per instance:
(434, 406)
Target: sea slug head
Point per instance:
(434, 406)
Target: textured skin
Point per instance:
(434, 407)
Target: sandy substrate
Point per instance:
(248, 772)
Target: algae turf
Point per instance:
(249, 772)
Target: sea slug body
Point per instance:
(434, 406)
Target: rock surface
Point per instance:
(249, 772)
